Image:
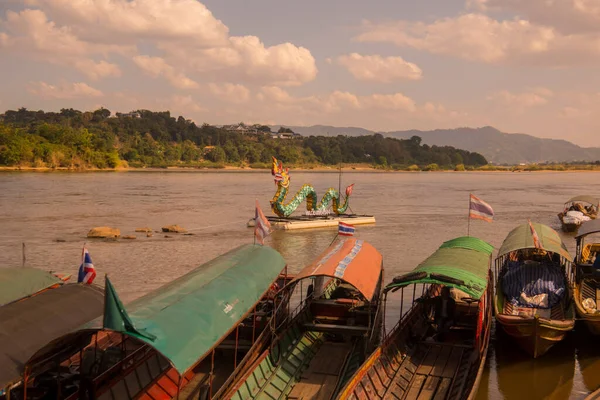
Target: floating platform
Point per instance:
(312, 222)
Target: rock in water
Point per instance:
(129, 237)
(146, 230)
(104, 232)
(174, 229)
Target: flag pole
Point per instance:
(469, 217)
(255, 222)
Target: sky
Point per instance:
(522, 66)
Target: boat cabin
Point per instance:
(332, 325)
(438, 347)
(20, 283)
(587, 275)
(182, 340)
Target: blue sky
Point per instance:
(520, 66)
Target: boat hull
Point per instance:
(567, 227)
(533, 334)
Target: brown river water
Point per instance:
(415, 213)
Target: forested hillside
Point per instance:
(97, 139)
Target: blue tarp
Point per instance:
(533, 279)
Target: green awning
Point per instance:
(17, 283)
(186, 318)
(522, 238)
(462, 263)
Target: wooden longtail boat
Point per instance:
(427, 355)
(20, 283)
(540, 309)
(587, 277)
(330, 332)
(587, 205)
(28, 324)
(182, 340)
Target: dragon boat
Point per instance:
(319, 214)
(333, 326)
(183, 340)
(429, 354)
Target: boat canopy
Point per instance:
(28, 325)
(462, 263)
(585, 199)
(351, 260)
(17, 283)
(521, 238)
(186, 318)
(591, 226)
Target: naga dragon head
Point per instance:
(282, 176)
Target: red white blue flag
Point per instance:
(479, 209)
(262, 226)
(87, 272)
(345, 229)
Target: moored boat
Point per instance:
(19, 283)
(28, 324)
(533, 301)
(431, 353)
(182, 340)
(578, 210)
(328, 334)
(587, 277)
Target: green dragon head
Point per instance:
(282, 176)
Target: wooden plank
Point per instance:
(415, 387)
(441, 361)
(453, 362)
(403, 383)
(443, 389)
(429, 361)
(429, 388)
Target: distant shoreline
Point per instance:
(326, 169)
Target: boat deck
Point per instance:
(430, 370)
(319, 381)
(430, 373)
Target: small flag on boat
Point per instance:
(345, 229)
(536, 238)
(262, 226)
(479, 209)
(87, 272)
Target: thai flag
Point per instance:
(87, 272)
(479, 209)
(345, 229)
(262, 226)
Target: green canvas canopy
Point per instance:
(17, 283)
(462, 263)
(521, 238)
(186, 318)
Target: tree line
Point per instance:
(97, 139)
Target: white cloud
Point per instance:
(230, 92)
(567, 16)
(30, 33)
(531, 98)
(376, 68)
(156, 66)
(184, 33)
(478, 37)
(64, 90)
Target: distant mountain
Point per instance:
(498, 147)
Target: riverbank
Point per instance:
(312, 168)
